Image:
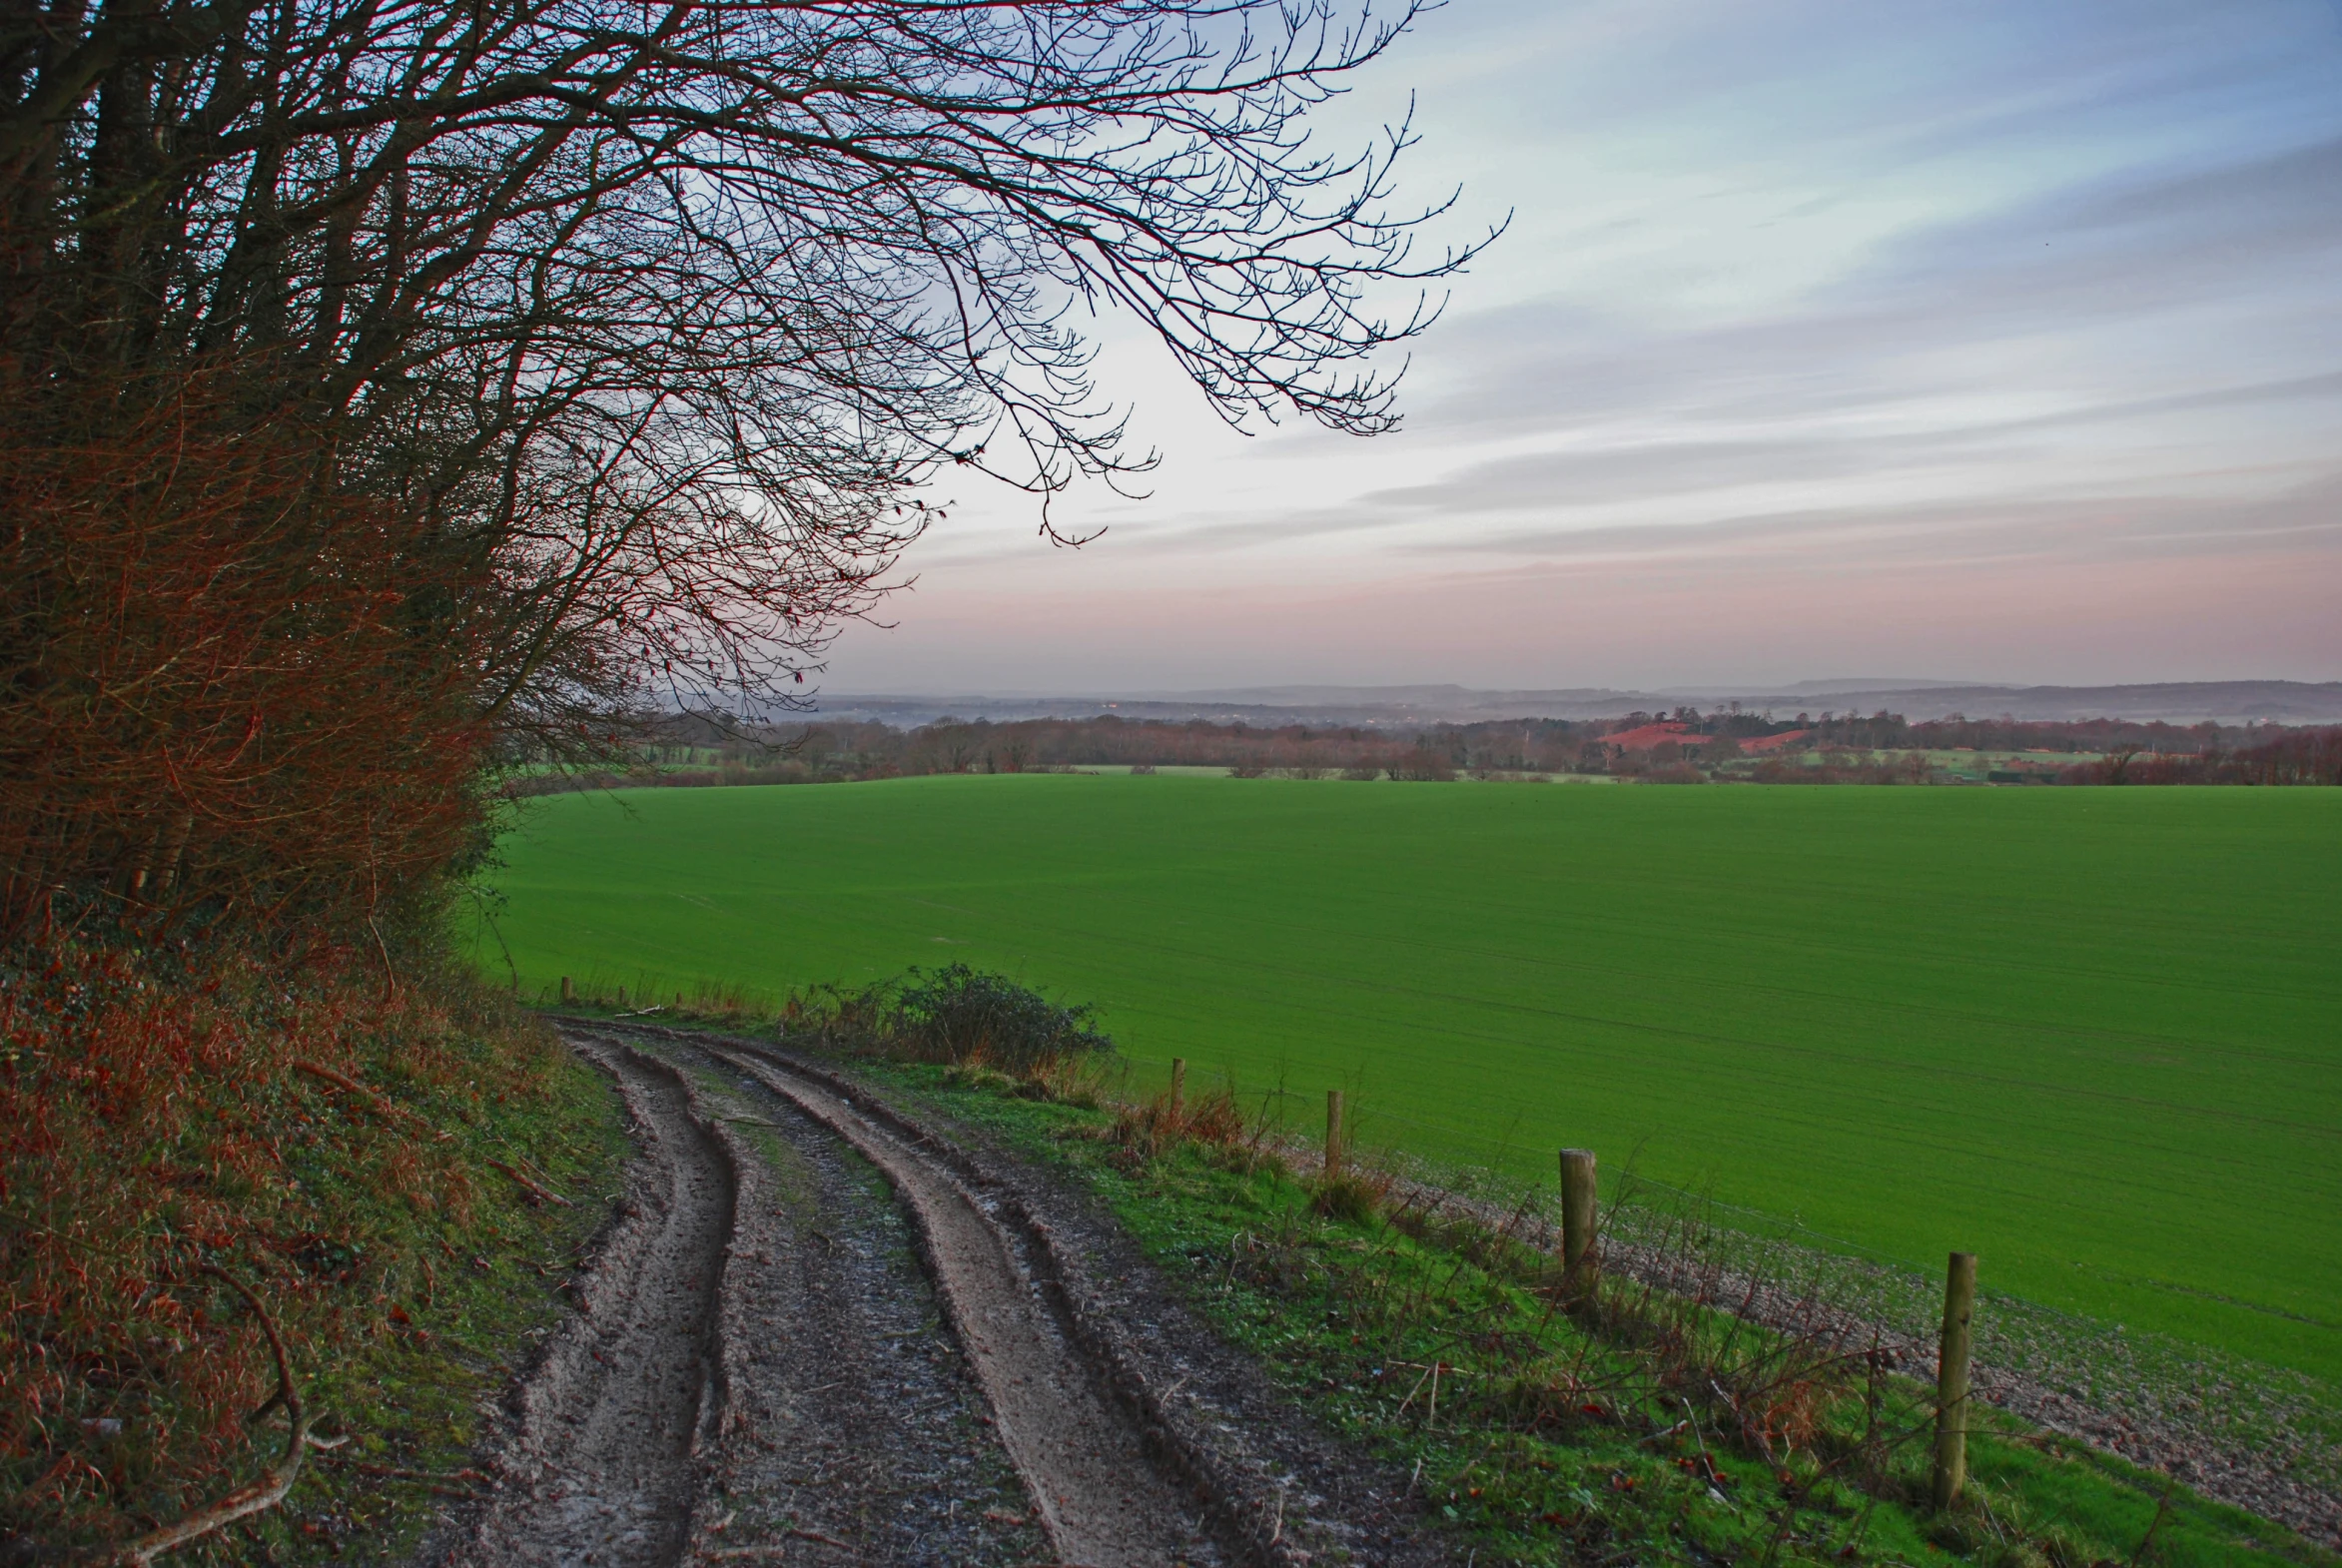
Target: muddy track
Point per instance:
(601, 1466)
(821, 1330)
(1271, 1487)
(1102, 1492)
(854, 1430)
(804, 1339)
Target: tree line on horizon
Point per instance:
(1676, 747)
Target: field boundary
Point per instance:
(2264, 1438)
(2024, 1368)
(2253, 1437)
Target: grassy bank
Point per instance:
(366, 1161)
(1637, 1431)
(2083, 1033)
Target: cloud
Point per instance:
(2031, 295)
(2012, 529)
(1650, 471)
(2095, 268)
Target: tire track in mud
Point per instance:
(1101, 1496)
(854, 1429)
(804, 1340)
(602, 1469)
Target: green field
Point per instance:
(2094, 1034)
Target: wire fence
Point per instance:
(2262, 1438)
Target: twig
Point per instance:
(389, 975)
(1707, 1461)
(385, 1106)
(450, 1485)
(2146, 1545)
(256, 1497)
(348, 1085)
(392, 1472)
(816, 1535)
(1418, 1389)
(547, 1193)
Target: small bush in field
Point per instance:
(974, 1074)
(965, 1014)
(1212, 1122)
(958, 1014)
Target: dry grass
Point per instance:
(164, 1113)
(1805, 1398)
(1213, 1122)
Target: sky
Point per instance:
(1996, 341)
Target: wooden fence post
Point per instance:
(568, 991)
(1959, 1306)
(621, 995)
(1579, 1216)
(679, 1001)
(1333, 1131)
(1178, 1085)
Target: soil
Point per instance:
(603, 1458)
(829, 1324)
(825, 1327)
(1100, 1495)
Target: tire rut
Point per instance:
(1101, 1496)
(808, 1336)
(855, 1430)
(602, 1469)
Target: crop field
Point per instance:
(2093, 1035)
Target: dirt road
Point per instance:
(612, 1420)
(821, 1332)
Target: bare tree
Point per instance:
(638, 327)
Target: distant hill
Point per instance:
(2176, 703)
(1384, 707)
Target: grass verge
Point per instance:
(401, 1177)
(1546, 1430)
